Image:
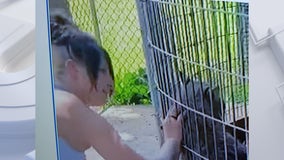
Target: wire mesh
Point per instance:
(115, 25)
(197, 55)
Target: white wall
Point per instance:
(266, 110)
(19, 9)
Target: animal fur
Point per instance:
(206, 136)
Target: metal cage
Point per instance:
(197, 61)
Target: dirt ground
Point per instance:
(137, 127)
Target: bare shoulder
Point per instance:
(69, 106)
(65, 99)
(74, 118)
(68, 103)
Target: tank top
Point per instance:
(66, 152)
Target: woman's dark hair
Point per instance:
(81, 47)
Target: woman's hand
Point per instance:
(172, 126)
(172, 136)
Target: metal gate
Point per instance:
(197, 60)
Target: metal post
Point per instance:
(148, 53)
(95, 21)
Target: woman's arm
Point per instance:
(107, 142)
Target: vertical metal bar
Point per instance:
(217, 41)
(244, 34)
(164, 61)
(231, 67)
(141, 9)
(155, 40)
(95, 20)
(207, 62)
(189, 69)
(148, 53)
(158, 42)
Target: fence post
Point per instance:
(148, 53)
(95, 21)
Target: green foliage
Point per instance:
(240, 94)
(138, 93)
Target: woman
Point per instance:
(83, 77)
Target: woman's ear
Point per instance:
(72, 68)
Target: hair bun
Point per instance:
(61, 17)
(60, 25)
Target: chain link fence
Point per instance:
(114, 24)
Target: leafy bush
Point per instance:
(132, 88)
